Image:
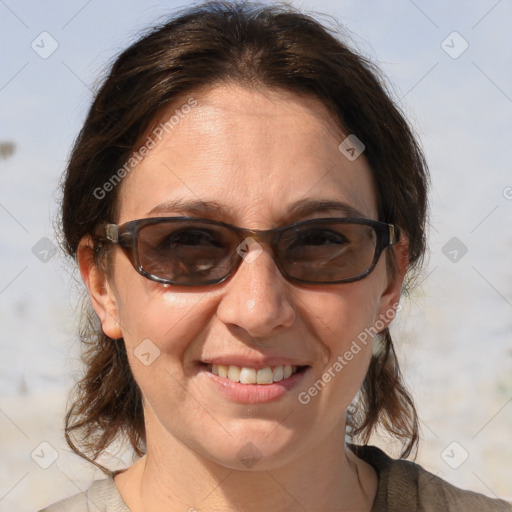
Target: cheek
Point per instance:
(343, 314)
(344, 321)
(148, 311)
(161, 330)
(171, 321)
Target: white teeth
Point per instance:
(278, 373)
(234, 373)
(265, 376)
(245, 375)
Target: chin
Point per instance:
(254, 450)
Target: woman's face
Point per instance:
(248, 156)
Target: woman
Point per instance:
(246, 204)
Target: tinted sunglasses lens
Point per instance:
(186, 252)
(327, 252)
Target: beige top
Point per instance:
(403, 487)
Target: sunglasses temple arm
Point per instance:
(394, 234)
(112, 232)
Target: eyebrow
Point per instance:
(209, 209)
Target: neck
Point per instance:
(174, 478)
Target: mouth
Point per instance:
(247, 375)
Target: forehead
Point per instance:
(253, 153)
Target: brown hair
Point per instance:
(259, 46)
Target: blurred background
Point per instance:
(449, 69)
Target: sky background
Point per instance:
(449, 69)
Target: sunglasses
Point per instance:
(189, 251)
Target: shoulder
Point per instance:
(101, 496)
(405, 485)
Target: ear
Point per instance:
(101, 293)
(390, 298)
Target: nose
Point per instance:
(257, 298)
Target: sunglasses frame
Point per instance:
(126, 235)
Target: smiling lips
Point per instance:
(246, 375)
(253, 380)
